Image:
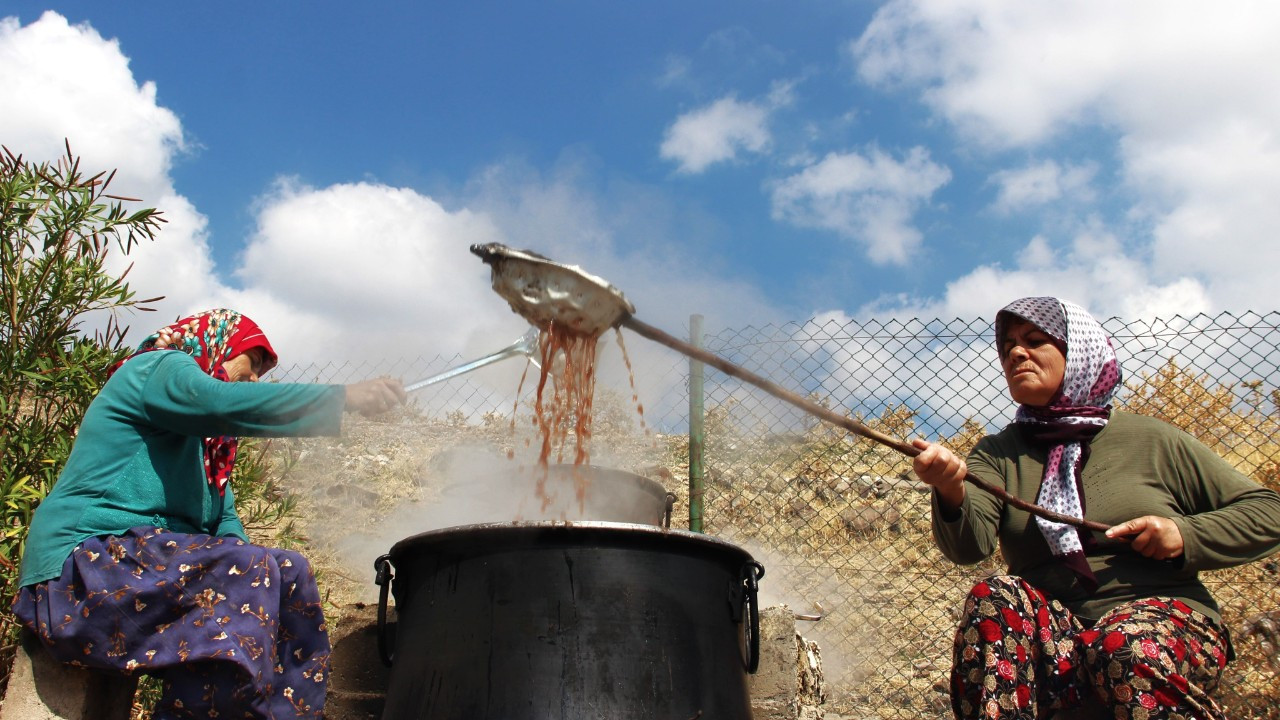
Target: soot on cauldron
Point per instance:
(561, 621)
(561, 592)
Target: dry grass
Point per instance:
(839, 523)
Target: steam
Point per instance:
(473, 483)
(827, 598)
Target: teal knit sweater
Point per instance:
(138, 458)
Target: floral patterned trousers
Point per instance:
(234, 630)
(1020, 654)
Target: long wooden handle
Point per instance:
(853, 426)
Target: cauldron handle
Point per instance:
(383, 579)
(751, 574)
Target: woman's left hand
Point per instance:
(1153, 536)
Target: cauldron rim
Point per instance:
(647, 484)
(475, 536)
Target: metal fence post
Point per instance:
(696, 436)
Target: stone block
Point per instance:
(41, 688)
(788, 685)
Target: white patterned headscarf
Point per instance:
(1077, 413)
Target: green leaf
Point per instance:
(57, 231)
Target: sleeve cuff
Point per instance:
(950, 516)
(1192, 553)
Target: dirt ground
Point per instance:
(853, 548)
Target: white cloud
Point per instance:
(868, 198)
(675, 71)
(1183, 297)
(365, 272)
(1015, 73)
(628, 235)
(1181, 92)
(634, 238)
(716, 133)
(176, 264)
(111, 122)
(1094, 271)
(379, 270)
(1212, 202)
(1042, 183)
(1037, 255)
(70, 83)
(946, 378)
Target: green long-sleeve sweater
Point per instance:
(1137, 466)
(138, 457)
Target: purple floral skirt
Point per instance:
(234, 630)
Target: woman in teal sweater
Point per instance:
(1121, 617)
(137, 560)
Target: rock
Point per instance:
(871, 520)
(811, 693)
(869, 486)
(1265, 627)
(353, 494)
(798, 508)
(658, 472)
(789, 684)
(777, 485)
(924, 667)
(841, 486)
(41, 688)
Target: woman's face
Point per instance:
(245, 366)
(1033, 364)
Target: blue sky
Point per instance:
(324, 166)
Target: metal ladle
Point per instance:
(545, 292)
(527, 346)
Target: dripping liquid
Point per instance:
(562, 407)
(562, 411)
(515, 409)
(631, 375)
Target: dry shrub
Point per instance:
(839, 522)
(1243, 428)
(889, 598)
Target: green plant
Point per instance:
(57, 227)
(268, 511)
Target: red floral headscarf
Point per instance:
(211, 338)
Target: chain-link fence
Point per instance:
(842, 526)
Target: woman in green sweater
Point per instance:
(137, 561)
(1120, 616)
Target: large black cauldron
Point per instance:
(571, 621)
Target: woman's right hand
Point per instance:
(376, 396)
(942, 470)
